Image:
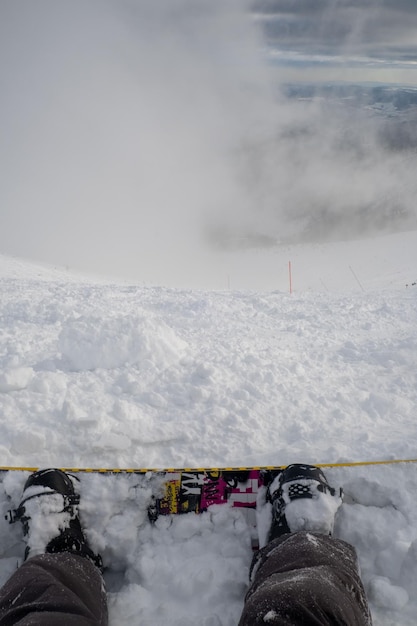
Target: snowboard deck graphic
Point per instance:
(196, 490)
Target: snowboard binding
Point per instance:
(49, 515)
(301, 499)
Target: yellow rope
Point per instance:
(144, 470)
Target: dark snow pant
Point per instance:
(54, 590)
(305, 579)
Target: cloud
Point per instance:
(118, 120)
(137, 135)
(382, 29)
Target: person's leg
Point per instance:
(306, 579)
(302, 576)
(60, 581)
(61, 589)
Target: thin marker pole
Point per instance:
(290, 275)
(357, 279)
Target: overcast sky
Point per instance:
(118, 122)
(352, 39)
(131, 130)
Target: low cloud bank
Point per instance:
(136, 133)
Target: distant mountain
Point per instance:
(402, 98)
(394, 107)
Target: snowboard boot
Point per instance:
(48, 512)
(302, 499)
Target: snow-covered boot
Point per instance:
(302, 499)
(49, 515)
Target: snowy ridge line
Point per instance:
(168, 470)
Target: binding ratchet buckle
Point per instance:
(15, 515)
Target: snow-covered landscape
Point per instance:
(105, 374)
(208, 258)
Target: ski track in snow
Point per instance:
(94, 374)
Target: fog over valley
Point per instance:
(145, 140)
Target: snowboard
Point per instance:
(195, 490)
(179, 491)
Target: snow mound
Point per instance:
(15, 379)
(386, 595)
(90, 343)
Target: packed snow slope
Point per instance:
(100, 374)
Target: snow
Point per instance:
(97, 373)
